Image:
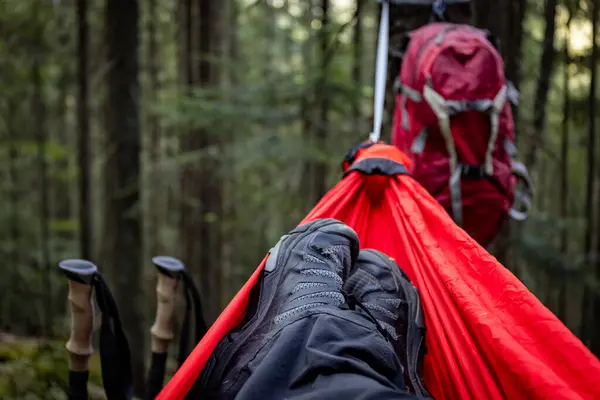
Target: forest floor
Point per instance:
(37, 368)
(33, 368)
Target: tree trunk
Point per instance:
(83, 146)
(543, 84)
(123, 229)
(190, 218)
(202, 213)
(229, 284)
(306, 108)
(407, 17)
(357, 55)
(494, 16)
(564, 177)
(504, 19)
(209, 76)
(320, 168)
(269, 71)
(513, 43)
(591, 298)
(38, 110)
(14, 195)
(537, 141)
(155, 193)
(63, 204)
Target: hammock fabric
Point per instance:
(488, 337)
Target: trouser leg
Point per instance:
(337, 355)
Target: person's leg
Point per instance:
(385, 293)
(324, 356)
(300, 339)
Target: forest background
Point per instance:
(205, 129)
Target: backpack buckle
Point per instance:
(473, 171)
(438, 9)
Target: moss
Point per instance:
(37, 370)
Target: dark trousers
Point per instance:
(329, 354)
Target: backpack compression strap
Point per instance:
(444, 109)
(519, 210)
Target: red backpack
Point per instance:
(453, 119)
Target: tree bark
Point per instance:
(357, 56)
(191, 178)
(320, 168)
(38, 109)
(306, 108)
(504, 19)
(11, 277)
(546, 68)
(494, 16)
(13, 178)
(83, 135)
(155, 193)
(229, 284)
(564, 177)
(591, 327)
(513, 44)
(202, 213)
(211, 48)
(123, 229)
(543, 84)
(62, 190)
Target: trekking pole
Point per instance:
(171, 271)
(115, 357)
(80, 274)
(167, 279)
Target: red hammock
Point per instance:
(488, 336)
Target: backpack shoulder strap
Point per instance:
(495, 110)
(440, 108)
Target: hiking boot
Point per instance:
(305, 271)
(386, 294)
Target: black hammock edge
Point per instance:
(378, 166)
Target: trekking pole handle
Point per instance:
(79, 344)
(80, 274)
(166, 287)
(162, 329)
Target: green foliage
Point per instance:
(262, 117)
(36, 370)
(538, 247)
